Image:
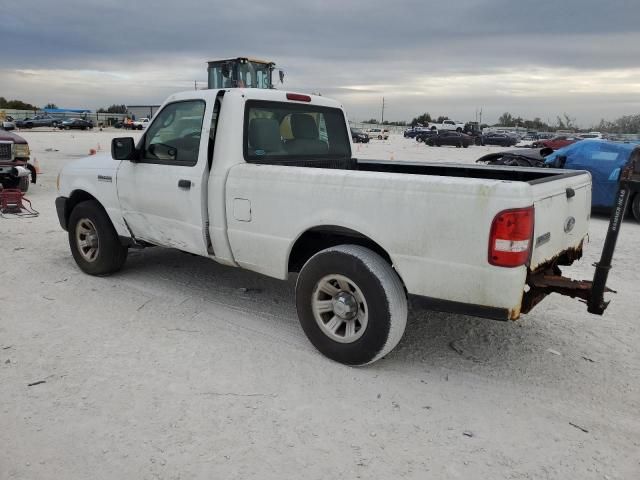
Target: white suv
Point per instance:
(378, 133)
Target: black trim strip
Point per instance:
(439, 305)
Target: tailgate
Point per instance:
(562, 210)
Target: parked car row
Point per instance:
(38, 121)
(358, 136)
(557, 142)
(75, 123)
(451, 138)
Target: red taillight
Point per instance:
(511, 237)
(298, 97)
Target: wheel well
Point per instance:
(75, 198)
(318, 238)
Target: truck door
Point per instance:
(163, 194)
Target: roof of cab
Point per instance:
(252, 94)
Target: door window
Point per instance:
(174, 135)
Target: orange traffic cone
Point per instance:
(36, 165)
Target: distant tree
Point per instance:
(16, 104)
(50, 105)
(113, 109)
(371, 120)
(396, 123)
(625, 124)
(423, 119)
(566, 122)
(441, 119)
(506, 120)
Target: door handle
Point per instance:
(184, 184)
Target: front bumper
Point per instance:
(61, 209)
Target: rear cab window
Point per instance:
(284, 131)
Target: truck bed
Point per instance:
(530, 175)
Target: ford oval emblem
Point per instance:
(569, 223)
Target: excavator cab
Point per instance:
(241, 72)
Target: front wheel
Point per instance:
(351, 304)
(94, 242)
(419, 139)
(635, 207)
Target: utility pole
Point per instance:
(382, 110)
(480, 121)
(195, 84)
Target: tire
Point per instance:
(465, 145)
(368, 284)
(29, 125)
(24, 184)
(67, 127)
(109, 254)
(635, 207)
(419, 139)
(459, 130)
(459, 145)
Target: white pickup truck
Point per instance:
(452, 125)
(265, 180)
(140, 124)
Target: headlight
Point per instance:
(22, 150)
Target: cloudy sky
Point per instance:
(538, 58)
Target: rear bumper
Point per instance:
(61, 209)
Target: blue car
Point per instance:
(604, 160)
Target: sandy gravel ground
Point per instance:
(178, 368)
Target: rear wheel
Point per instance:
(635, 207)
(94, 242)
(351, 304)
